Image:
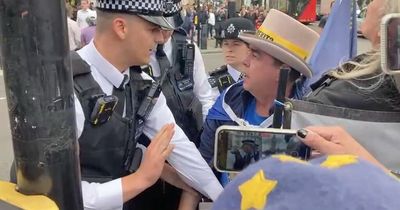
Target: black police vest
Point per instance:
(178, 90)
(104, 147)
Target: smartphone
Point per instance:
(236, 147)
(390, 44)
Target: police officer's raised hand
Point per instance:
(153, 163)
(334, 140)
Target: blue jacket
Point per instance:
(236, 99)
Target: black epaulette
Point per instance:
(221, 78)
(180, 31)
(148, 70)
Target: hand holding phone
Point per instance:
(236, 147)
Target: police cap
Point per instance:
(150, 10)
(233, 26)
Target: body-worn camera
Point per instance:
(103, 108)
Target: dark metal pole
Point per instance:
(231, 8)
(280, 98)
(39, 89)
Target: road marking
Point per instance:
(2, 98)
(1, 72)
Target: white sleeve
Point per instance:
(107, 196)
(202, 88)
(185, 157)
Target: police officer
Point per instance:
(126, 34)
(234, 50)
(179, 65)
(185, 83)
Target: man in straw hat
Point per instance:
(281, 40)
(127, 32)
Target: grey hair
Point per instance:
(369, 67)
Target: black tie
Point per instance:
(121, 92)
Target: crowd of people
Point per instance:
(130, 50)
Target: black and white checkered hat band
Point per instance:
(172, 8)
(144, 7)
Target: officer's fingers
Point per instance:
(317, 142)
(167, 151)
(162, 132)
(165, 139)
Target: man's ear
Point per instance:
(119, 26)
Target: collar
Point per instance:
(93, 57)
(245, 97)
(168, 49)
(235, 74)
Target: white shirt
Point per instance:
(82, 15)
(202, 88)
(74, 34)
(185, 158)
(211, 18)
(235, 74)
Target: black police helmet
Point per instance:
(233, 26)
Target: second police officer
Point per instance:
(178, 65)
(234, 50)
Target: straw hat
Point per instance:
(285, 39)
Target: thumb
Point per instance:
(317, 142)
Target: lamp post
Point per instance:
(39, 89)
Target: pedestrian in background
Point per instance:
(211, 23)
(84, 13)
(74, 33)
(87, 33)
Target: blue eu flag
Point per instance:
(338, 41)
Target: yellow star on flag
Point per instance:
(255, 191)
(337, 161)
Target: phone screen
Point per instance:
(393, 44)
(236, 149)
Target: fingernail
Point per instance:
(302, 133)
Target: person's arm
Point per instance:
(202, 88)
(170, 175)
(335, 140)
(185, 158)
(189, 201)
